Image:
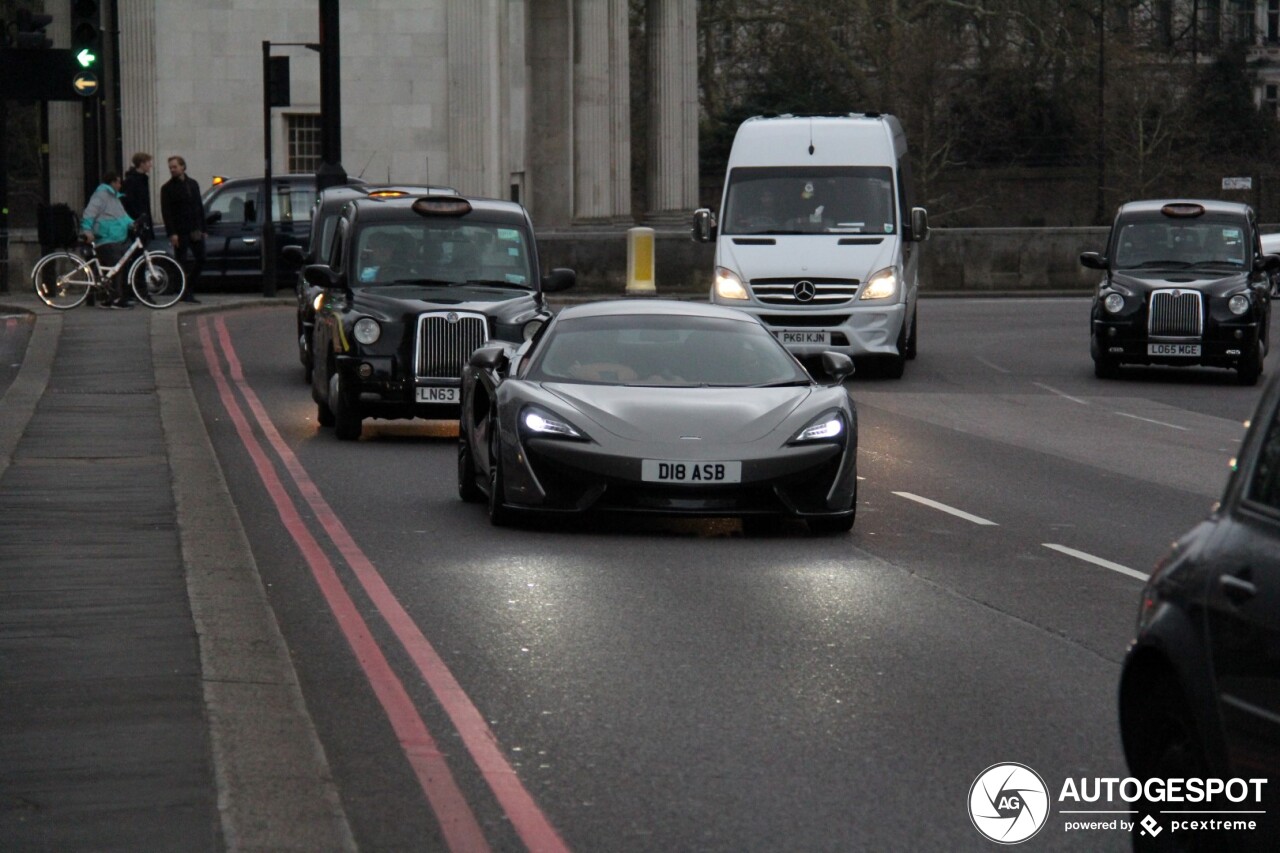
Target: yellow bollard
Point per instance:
(640, 256)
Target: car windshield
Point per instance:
(443, 251)
(1203, 241)
(664, 351)
(811, 200)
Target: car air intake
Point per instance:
(446, 340)
(1176, 314)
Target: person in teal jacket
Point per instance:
(105, 222)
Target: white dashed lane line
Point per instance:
(1053, 390)
(1150, 421)
(958, 513)
(1097, 561)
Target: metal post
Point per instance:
(330, 172)
(268, 219)
(4, 199)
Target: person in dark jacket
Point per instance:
(183, 213)
(137, 188)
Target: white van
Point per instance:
(817, 236)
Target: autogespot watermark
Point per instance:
(1009, 803)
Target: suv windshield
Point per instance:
(1162, 241)
(810, 200)
(437, 250)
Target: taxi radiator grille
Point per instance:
(1176, 314)
(444, 346)
(826, 291)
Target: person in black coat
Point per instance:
(137, 189)
(183, 213)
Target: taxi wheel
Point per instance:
(1250, 366)
(467, 488)
(324, 415)
(346, 415)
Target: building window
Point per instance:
(304, 143)
(1271, 97)
(1273, 21)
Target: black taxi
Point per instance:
(410, 288)
(1184, 281)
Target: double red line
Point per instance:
(458, 822)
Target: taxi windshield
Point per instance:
(442, 251)
(1164, 242)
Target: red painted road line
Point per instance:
(458, 823)
(533, 827)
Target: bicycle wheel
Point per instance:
(157, 280)
(62, 280)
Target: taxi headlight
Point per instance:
(318, 302)
(367, 330)
(541, 422)
(881, 285)
(1113, 303)
(1238, 304)
(728, 285)
(826, 427)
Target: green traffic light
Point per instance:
(86, 58)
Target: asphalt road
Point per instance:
(675, 685)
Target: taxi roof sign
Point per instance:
(1183, 209)
(436, 205)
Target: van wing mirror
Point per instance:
(919, 224)
(1093, 261)
(704, 225)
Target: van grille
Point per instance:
(1176, 314)
(446, 340)
(792, 291)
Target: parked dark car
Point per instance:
(658, 407)
(234, 220)
(1184, 282)
(324, 220)
(411, 287)
(1200, 687)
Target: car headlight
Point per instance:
(1238, 304)
(367, 330)
(728, 285)
(1114, 303)
(541, 422)
(826, 427)
(881, 285)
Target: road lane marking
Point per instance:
(958, 513)
(1097, 561)
(458, 822)
(528, 820)
(1061, 394)
(1157, 423)
(992, 366)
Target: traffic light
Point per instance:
(86, 31)
(30, 32)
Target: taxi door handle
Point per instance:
(1237, 588)
(251, 241)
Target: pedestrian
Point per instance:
(137, 190)
(106, 223)
(183, 213)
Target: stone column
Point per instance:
(592, 124)
(550, 178)
(474, 101)
(673, 109)
(620, 108)
(138, 101)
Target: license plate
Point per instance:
(1185, 350)
(789, 336)
(659, 471)
(436, 394)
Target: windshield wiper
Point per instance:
(1235, 265)
(429, 281)
(785, 383)
(1170, 263)
(496, 282)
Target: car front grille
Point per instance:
(446, 340)
(796, 291)
(1176, 314)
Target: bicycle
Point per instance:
(64, 279)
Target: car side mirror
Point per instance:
(1267, 263)
(294, 255)
(837, 365)
(322, 276)
(1093, 260)
(216, 216)
(919, 224)
(490, 357)
(704, 225)
(559, 279)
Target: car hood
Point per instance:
(392, 301)
(726, 415)
(799, 255)
(1207, 282)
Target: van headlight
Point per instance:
(728, 285)
(367, 331)
(881, 285)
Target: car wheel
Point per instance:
(893, 366)
(304, 355)
(467, 488)
(1250, 366)
(1164, 746)
(347, 421)
(499, 515)
(910, 351)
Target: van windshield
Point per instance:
(810, 200)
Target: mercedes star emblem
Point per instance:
(804, 290)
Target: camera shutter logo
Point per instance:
(1008, 803)
(804, 290)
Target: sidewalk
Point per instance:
(147, 700)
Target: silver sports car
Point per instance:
(659, 407)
